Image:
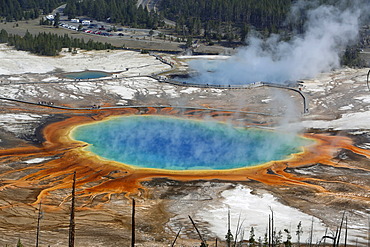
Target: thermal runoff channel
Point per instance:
(180, 144)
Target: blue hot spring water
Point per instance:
(181, 144)
(86, 75)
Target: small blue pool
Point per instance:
(87, 75)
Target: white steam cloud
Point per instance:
(328, 30)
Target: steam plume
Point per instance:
(327, 31)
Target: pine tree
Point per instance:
(19, 244)
(48, 44)
(56, 20)
(252, 241)
(288, 242)
(189, 41)
(3, 36)
(299, 232)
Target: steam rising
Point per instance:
(328, 30)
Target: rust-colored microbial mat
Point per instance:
(99, 177)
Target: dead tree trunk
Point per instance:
(326, 232)
(368, 230)
(346, 234)
(272, 231)
(177, 235)
(71, 241)
(237, 231)
(133, 224)
(38, 225)
(269, 230)
(204, 243)
(311, 232)
(340, 229)
(229, 235)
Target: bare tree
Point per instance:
(269, 231)
(368, 230)
(271, 226)
(326, 232)
(238, 230)
(311, 232)
(72, 226)
(204, 243)
(133, 224)
(177, 235)
(229, 235)
(299, 232)
(346, 234)
(340, 229)
(39, 217)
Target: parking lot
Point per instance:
(92, 27)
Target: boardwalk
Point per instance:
(235, 87)
(93, 107)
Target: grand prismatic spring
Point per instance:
(74, 155)
(52, 128)
(179, 144)
(65, 148)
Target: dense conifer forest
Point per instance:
(26, 9)
(48, 44)
(229, 20)
(258, 13)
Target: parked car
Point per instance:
(85, 23)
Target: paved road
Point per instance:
(59, 10)
(151, 5)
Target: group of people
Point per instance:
(95, 106)
(45, 103)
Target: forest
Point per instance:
(216, 20)
(205, 20)
(232, 20)
(210, 20)
(15, 10)
(223, 19)
(48, 44)
(213, 14)
(124, 12)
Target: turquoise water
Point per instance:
(86, 75)
(180, 144)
